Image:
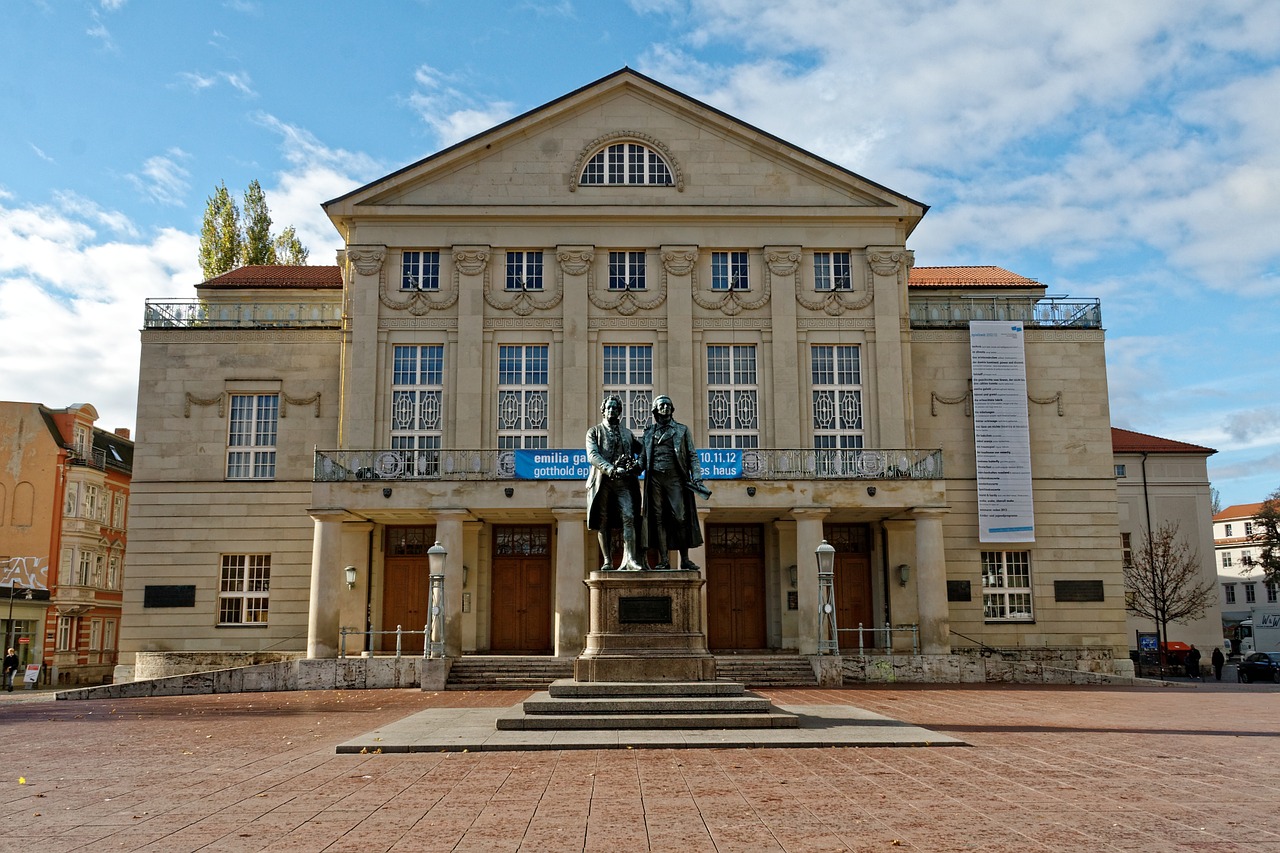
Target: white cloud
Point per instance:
(198, 81)
(449, 112)
(163, 179)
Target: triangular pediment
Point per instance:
(535, 160)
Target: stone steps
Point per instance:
(767, 670)
(503, 672)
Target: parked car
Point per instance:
(1259, 666)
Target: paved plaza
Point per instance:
(1182, 768)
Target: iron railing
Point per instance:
(757, 464)
(955, 312)
(399, 633)
(198, 314)
(883, 637)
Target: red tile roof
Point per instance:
(1127, 441)
(1239, 511)
(314, 278)
(967, 277)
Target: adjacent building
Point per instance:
(1235, 554)
(306, 434)
(1161, 482)
(64, 495)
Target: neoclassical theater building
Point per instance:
(305, 434)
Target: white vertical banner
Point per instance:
(1002, 437)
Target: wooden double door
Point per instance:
(852, 582)
(521, 611)
(405, 587)
(735, 587)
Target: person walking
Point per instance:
(1193, 662)
(1217, 660)
(10, 669)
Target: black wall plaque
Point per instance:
(1078, 591)
(169, 596)
(645, 609)
(958, 591)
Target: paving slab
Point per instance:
(476, 730)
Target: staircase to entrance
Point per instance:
(527, 672)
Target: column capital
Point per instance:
(929, 512)
(810, 513)
(367, 259)
(333, 514)
(565, 513)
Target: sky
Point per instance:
(1125, 151)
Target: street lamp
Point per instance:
(828, 644)
(10, 634)
(434, 646)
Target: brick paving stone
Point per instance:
(1194, 768)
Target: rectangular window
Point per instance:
(84, 569)
(1226, 559)
(628, 373)
(732, 397)
(81, 442)
(420, 271)
(1226, 530)
(1272, 589)
(90, 501)
(831, 271)
(522, 397)
(117, 516)
(729, 271)
(524, 271)
(626, 271)
(66, 633)
(1126, 549)
(1250, 593)
(1248, 528)
(251, 436)
(1120, 472)
(109, 635)
(1246, 558)
(113, 572)
(1229, 593)
(95, 635)
(245, 589)
(99, 570)
(417, 407)
(1006, 586)
(835, 374)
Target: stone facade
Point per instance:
(485, 298)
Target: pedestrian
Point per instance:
(1218, 660)
(1193, 662)
(10, 669)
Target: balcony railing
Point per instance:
(195, 314)
(757, 464)
(955, 312)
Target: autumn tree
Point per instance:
(1164, 582)
(1266, 532)
(228, 240)
(220, 240)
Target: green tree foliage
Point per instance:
(258, 245)
(1266, 532)
(228, 241)
(220, 240)
(1164, 583)
(289, 250)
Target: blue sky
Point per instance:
(1125, 151)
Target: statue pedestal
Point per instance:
(645, 626)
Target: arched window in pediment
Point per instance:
(626, 159)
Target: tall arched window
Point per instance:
(621, 163)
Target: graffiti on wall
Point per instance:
(25, 572)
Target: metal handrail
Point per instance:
(757, 464)
(955, 312)
(204, 314)
(399, 632)
(887, 631)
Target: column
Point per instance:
(472, 266)
(931, 583)
(782, 263)
(889, 266)
(450, 535)
(571, 592)
(808, 538)
(366, 274)
(327, 583)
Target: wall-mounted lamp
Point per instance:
(350, 573)
(871, 491)
(465, 573)
(791, 573)
(904, 574)
(508, 491)
(386, 491)
(751, 491)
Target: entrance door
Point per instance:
(852, 583)
(735, 587)
(521, 611)
(405, 587)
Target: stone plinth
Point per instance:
(645, 626)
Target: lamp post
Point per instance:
(828, 639)
(434, 646)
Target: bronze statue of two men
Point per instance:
(666, 519)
